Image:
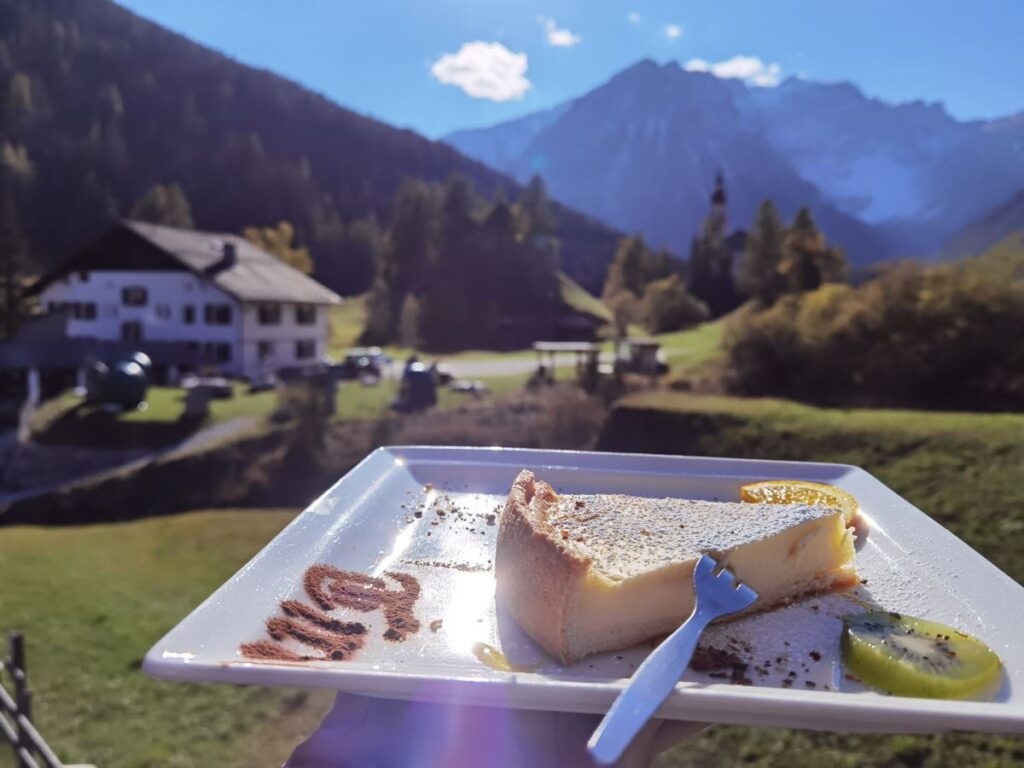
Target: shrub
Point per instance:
(949, 336)
(668, 306)
(569, 418)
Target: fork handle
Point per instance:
(650, 685)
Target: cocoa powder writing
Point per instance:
(331, 589)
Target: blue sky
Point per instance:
(439, 65)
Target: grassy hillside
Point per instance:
(962, 469)
(578, 298)
(1000, 224)
(695, 350)
(91, 602)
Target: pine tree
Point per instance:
(537, 223)
(13, 256)
(412, 236)
(710, 271)
(759, 274)
(451, 289)
(409, 323)
(536, 207)
(380, 318)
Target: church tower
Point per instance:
(716, 218)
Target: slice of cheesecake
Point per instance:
(585, 574)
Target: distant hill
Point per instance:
(101, 105)
(985, 231)
(641, 152)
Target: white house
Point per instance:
(214, 298)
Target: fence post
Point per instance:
(22, 694)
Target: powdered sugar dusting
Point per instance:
(627, 535)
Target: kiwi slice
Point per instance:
(913, 657)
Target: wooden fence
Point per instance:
(30, 750)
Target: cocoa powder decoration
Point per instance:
(331, 588)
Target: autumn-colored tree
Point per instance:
(668, 306)
(278, 241)
(164, 204)
(807, 260)
(633, 268)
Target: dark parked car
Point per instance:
(359, 363)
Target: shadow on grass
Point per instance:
(90, 426)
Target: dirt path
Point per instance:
(76, 464)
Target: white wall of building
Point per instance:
(163, 317)
(280, 339)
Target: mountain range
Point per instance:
(99, 105)
(641, 152)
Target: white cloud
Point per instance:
(750, 69)
(558, 36)
(484, 71)
(673, 31)
(634, 17)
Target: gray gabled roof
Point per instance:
(255, 275)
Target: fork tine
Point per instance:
(705, 567)
(746, 594)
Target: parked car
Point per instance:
(442, 373)
(359, 363)
(219, 387)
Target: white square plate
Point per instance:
(366, 523)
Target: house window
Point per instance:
(217, 314)
(305, 314)
(188, 314)
(76, 310)
(163, 311)
(131, 331)
(134, 296)
(265, 349)
(268, 314)
(305, 349)
(218, 351)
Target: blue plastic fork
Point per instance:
(717, 594)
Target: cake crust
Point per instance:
(536, 575)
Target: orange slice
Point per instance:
(800, 492)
